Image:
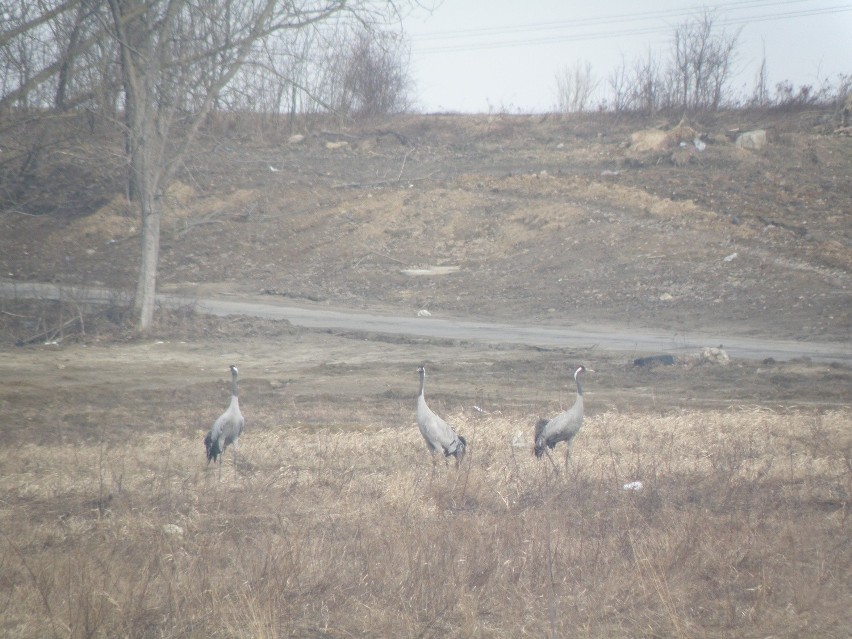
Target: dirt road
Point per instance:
(607, 337)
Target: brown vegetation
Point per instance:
(740, 529)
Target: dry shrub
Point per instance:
(740, 529)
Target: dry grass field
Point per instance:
(336, 523)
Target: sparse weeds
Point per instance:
(739, 530)
(69, 318)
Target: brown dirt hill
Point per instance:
(541, 218)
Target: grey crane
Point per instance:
(227, 428)
(439, 435)
(563, 427)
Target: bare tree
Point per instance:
(696, 76)
(701, 63)
(44, 50)
(760, 95)
(68, 57)
(619, 87)
(374, 79)
(574, 87)
(647, 84)
(177, 56)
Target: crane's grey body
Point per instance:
(564, 426)
(227, 428)
(439, 435)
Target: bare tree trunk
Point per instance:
(141, 70)
(146, 285)
(148, 180)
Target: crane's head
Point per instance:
(422, 371)
(582, 369)
(538, 440)
(233, 369)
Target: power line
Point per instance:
(642, 16)
(608, 34)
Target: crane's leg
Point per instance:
(550, 459)
(434, 466)
(568, 460)
(459, 455)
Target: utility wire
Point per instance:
(608, 34)
(642, 16)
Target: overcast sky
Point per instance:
(503, 55)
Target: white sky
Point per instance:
(503, 55)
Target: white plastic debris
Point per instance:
(699, 144)
(633, 485)
(423, 313)
(173, 530)
(731, 257)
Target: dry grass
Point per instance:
(741, 530)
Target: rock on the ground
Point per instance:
(754, 140)
(714, 355)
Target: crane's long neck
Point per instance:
(422, 393)
(234, 391)
(579, 386)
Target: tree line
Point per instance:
(693, 75)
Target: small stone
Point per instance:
(754, 140)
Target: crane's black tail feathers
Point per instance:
(212, 447)
(460, 449)
(539, 443)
